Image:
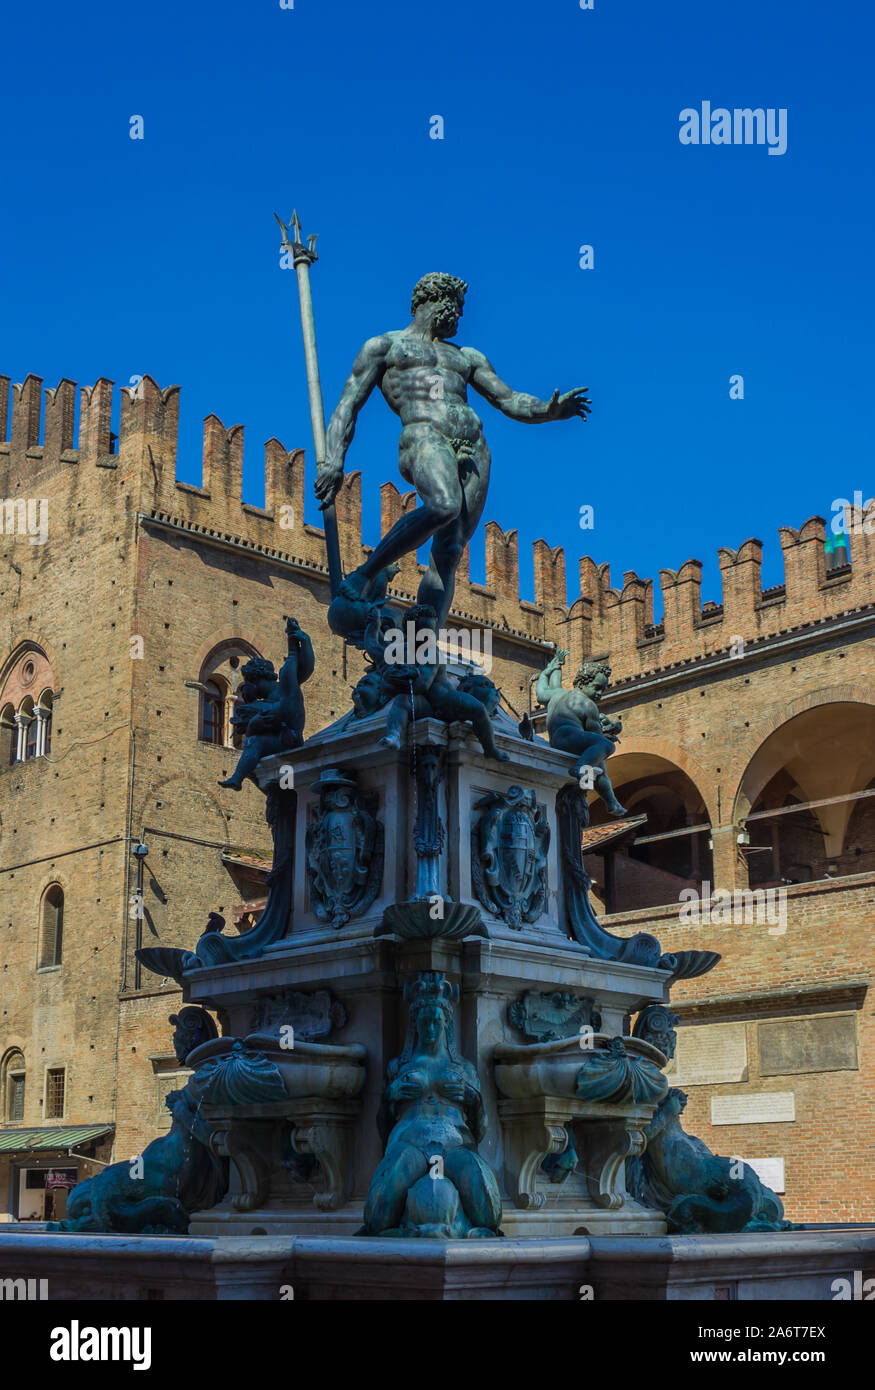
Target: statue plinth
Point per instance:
(374, 826)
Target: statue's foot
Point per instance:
(490, 750)
(233, 782)
(615, 809)
(391, 740)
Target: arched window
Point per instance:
(12, 1078)
(219, 681)
(51, 926)
(44, 724)
(213, 711)
(27, 730)
(25, 717)
(8, 736)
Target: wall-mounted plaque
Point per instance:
(756, 1108)
(793, 1045)
(708, 1053)
(770, 1171)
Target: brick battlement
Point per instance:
(620, 621)
(603, 620)
(142, 461)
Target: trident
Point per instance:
(303, 257)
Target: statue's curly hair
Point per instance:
(437, 285)
(588, 669)
(258, 666)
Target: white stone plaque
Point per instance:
(709, 1053)
(758, 1108)
(769, 1171)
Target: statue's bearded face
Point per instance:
(447, 312)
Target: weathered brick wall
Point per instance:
(64, 817)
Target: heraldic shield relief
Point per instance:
(344, 850)
(509, 841)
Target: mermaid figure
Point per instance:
(431, 1180)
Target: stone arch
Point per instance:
(8, 734)
(769, 724)
(12, 1064)
(19, 649)
(221, 643)
(669, 753)
(653, 865)
(176, 789)
(819, 749)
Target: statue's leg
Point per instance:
(253, 751)
(591, 750)
(428, 461)
(470, 708)
(438, 582)
(603, 785)
(475, 1182)
(396, 1173)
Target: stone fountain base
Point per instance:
(788, 1266)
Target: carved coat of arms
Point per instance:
(344, 850)
(509, 841)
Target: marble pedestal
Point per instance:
(362, 965)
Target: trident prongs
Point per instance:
(284, 229)
(295, 241)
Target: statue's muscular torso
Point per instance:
(572, 707)
(426, 382)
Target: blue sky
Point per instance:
(123, 257)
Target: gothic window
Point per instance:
(30, 729)
(219, 681)
(44, 724)
(213, 711)
(12, 1079)
(51, 926)
(25, 715)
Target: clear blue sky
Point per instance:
(122, 257)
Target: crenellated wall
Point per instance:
(603, 621)
(144, 459)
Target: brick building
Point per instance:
(128, 604)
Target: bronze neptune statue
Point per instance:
(443, 454)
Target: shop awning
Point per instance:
(50, 1137)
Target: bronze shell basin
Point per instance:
(308, 1069)
(553, 1068)
(414, 919)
